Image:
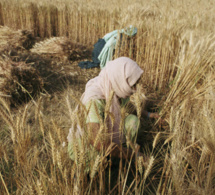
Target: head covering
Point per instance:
(130, 31)
(119, 76)
(111, 39)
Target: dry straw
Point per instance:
(61, 47)
(19, 80)
(176, 52)
(156, 139)
(95, 167)
(140, 163)
(148, 168)
(138, 99)
(4, 184)
(53, 148)
(11, 39)
(40, 188)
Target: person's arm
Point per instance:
(93, 131)
(131, 107)
(115, 152)
(150, 114)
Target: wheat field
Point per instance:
(41, 43)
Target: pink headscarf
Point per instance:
(119, 76)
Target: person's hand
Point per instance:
(154, 115)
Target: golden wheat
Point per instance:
(40, 188)
(175, 48)
(95, 167)
(12, 39)
(149, 167)
(53, 148)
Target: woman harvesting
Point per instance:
(104, 97)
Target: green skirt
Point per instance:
(85, 154)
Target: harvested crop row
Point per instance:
(61, 47)
(18, 81)
(11, 39)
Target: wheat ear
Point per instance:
(156, 139)
(5, 104)
(149, 167)
(95, 167)
(140, 163)
(59, 161)
(52, 142)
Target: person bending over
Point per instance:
(119, 79)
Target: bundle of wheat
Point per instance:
(11, 39)
(61, 47)
(18, 80)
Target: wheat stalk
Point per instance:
(69, 107)
(41, 124)
(140, 164)
(59, 161)
(95, 167)
(156, 139)
(52, 142)
(99, 138)
(24, 116)
(38, 107)
(149, 167)
(76, 151)
(108, 103)
(40, 188)
(10, 123)
(4, 184)
(5, 104)
(31, 192)
(57, 130)
(176, 52)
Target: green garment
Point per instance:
(100, 104)
(111, 40)
(131, 127)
